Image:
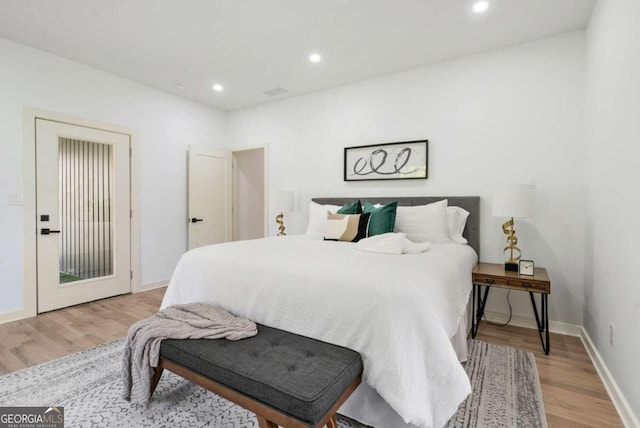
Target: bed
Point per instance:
(405, 314)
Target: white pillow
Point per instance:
(318, 218)
(423, 223)
(456, 221)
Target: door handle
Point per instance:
(195, 220)
(45, 231)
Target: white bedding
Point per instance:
(398, 311)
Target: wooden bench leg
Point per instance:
(265, 423)
(156, 378)
(332, 423)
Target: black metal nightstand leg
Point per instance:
(473, 310)
(535, 312)
(542, 321)
(546, 318)
(476, 314)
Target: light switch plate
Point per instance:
(14, 199)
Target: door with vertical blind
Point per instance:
(83, 214)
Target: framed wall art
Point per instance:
(390, 161)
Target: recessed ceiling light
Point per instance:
(179, 86)
(480, 6)
(314, 57)
(218, 87)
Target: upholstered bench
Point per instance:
(285, 379)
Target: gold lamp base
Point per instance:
(511, 264)
(511, 267)
(280, 223)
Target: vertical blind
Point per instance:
(85, 189)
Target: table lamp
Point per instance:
(513, 200)
(284, 202)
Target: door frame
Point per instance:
(29, 285)
(234, 185)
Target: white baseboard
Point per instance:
(518, 321)
(629, 419)
(16, 315)
(152, 286)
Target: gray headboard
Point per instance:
(469, 203)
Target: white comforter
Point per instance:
(398, 311)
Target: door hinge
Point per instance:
(131, 274)
(130, 152)
(130, 213)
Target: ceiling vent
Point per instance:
(275, 92)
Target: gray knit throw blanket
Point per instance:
(190, 321)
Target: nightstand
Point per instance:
(489, 275)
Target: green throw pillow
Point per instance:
(383, 219)
(354, 208)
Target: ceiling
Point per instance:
(252, 46)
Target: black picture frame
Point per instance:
(404, 160)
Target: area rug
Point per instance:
(506, 393)
(506, 389)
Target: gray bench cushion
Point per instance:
(297, 375)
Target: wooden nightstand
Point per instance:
(489, 275)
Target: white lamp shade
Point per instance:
(284, 201)
(515, 200)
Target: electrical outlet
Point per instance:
(612, 329)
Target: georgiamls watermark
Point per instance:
(31, 417)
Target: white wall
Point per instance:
(512, 115)
(167, 125)
(612, 293)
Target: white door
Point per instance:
(83, 214)
(209, 196)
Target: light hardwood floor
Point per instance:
(572, 391)
(55, 334)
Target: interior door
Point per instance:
(83, 209)
(210, 196)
